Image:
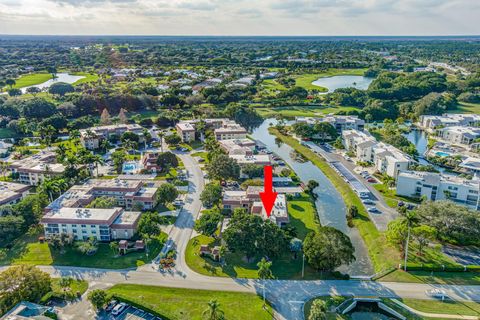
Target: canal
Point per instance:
(330, 206)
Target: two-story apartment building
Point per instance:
(433, 122)
(459, 135)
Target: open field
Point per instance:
(27, 250)
(171, 303)
(447, 307)
(301, 111)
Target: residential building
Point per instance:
(459, 135)
(432, 122)
(258, 159)
(84, 223)
(92, 137)
(11, 193)
(128, 193)
(386, 158)
(238, 146)
(224, 129)
(230, 130)
(34, 169)
(186, 131)
(149, 162)
(340, 123)
(436, 186)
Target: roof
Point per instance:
(126, 219)
(82, 215)
(251, 159)
(10, 191)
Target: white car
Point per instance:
(119, 309)
(437, 293)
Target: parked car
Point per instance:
(368, 201)
(178, 203)
(111, 305)
(373, 210)
(119, 308)
(371, 180)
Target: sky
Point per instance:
(240, 17)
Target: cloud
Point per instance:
(231, 17)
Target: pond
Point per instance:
(61, 77)
(330, 206)
(420, 139)
(336, 82)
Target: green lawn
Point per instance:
(89, 77)
(465, 107)
(302, 215)
(454, 278)
(201, 154)
(301, 111)
(27, 250)
(305, 80)
(382, 255)
(172, 303)
(32, 79)
(390, 196)
(284, 267)
(447, 307)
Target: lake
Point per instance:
(336, 82)
(329, 203)
(61, 77)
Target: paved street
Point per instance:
(286, 296)
(387, 214)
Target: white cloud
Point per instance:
(244, 17)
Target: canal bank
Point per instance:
(330, 204)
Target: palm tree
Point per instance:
(4, 168)
(410, 218)
(64, 283)
(52, 187)
(97, 160)
(264, 272)
(213, 311)
(74, 135)
(105, 145)
(61, 152)
(161, 134)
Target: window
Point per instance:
(83, 225)
(84, 231)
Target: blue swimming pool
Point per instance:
(130, 167)
(442, 154)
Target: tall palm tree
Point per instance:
(97, 160)
(61, 152)
(161, 134)
(52, 187)
(264, 272)
(410, 219)
(74, 135)
(213, 311)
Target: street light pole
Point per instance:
(303, 266)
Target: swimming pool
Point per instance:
(130, 167)
(442, 154)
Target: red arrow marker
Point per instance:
(268, 196)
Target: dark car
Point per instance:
(111, 305)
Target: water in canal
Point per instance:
(336, 82)
(330, 206)
(420, 139)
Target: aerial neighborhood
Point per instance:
(238, 178)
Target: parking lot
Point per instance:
(132, 313)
